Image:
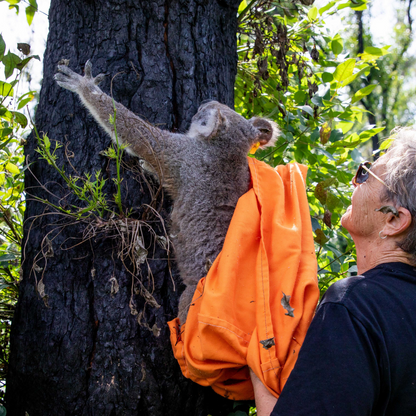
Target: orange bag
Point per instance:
(238, 318)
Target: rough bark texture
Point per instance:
(85, 353)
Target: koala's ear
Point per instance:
(268, 131)
(208, 123)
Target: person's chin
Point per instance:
(345, 217)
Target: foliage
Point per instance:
(292, 71)
(31, 7)
(91, 199)
(392, 103)
(13, 123)
(243, 408)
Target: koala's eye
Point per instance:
(264, 130)
(204, 123)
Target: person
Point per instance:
(359, 355)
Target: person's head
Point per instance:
(390, 184)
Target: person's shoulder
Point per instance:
(373, 285)
(341, 290)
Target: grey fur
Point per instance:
(205, 170)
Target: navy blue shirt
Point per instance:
(359, 355)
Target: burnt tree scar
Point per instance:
(285, 302)
(267, 343)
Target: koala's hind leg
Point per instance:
(185, 302)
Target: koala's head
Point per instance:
(217, 122)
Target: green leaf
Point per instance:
(328, 182)
(12, 168)
(5, 114)
(300, 97)
(337, 45)
(344, 5)
(356, 75)
(327, 154)
(362, 93)
(242, 6)
(333, 203)
(317, 100)
(360, 8)
(354, 5)
(386, 143)
(25, 98)
(313, 14)
(2, 47)
(345, 126)
(5, 132)
(371, 53)
(25, 101)
(352, 141)
(327, 77)
(31, 10)
(6, 89)
(10, 62)
(344, 70)
(320, 238)
(27, 94)
(322, 10)
(336, 135)
(14, 6)
(307, 109)
(46, 142)
(367, 134)
(9, 257)
(25, 61)
(327, 103)
(20, 118)
(335, 267)
(315, 224)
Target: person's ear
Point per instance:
(397, 224)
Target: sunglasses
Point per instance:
(363, 173)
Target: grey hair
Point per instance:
(400, 178)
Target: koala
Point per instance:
(205, 170)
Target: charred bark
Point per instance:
(80, 350)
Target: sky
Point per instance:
(382, 14)
(14, 29)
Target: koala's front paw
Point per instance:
(66, 78)
(70, 80)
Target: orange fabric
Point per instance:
(268, 251)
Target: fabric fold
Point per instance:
(237, 318)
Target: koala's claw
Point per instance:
(88, 73)
(70, 80)
(88, 69)
(65, 70)
(99, 78)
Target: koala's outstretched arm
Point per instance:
(144, 140)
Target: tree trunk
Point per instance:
(360, 32)
(80, 350)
